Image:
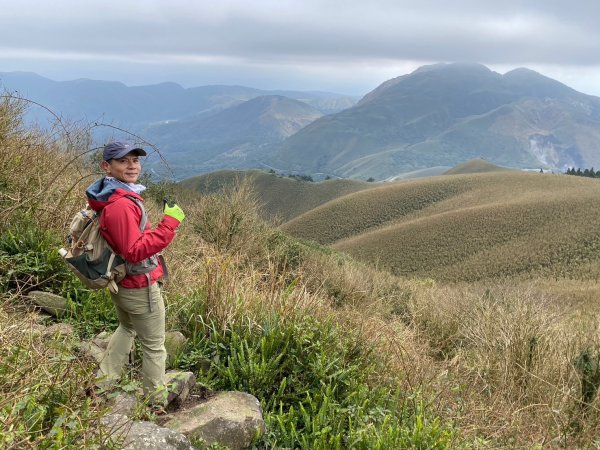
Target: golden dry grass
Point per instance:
(476, 166)
(467, 227)
(44, 172)
(514, 361)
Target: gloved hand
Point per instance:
(174, 211)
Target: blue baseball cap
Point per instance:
(118, 149)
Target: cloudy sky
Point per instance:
(346, 46)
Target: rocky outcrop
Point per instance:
(95, 348)
(60, 330)
(51, 303)
(230, 419)
(233, 419)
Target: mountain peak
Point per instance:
(449, 78)
(537, 84)
(442, 114)
(455, 66)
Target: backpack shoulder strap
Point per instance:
(140, 204)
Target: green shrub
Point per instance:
(312, 381)
(91, 311)
(29, 260)
(588, 367)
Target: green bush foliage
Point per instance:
(313, 382)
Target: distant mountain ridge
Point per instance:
(444, 114)
(137, 106)
(197, 129)
(424, 122)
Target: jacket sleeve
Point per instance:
(120, 225)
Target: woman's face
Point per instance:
(126, 169)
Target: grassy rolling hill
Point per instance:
(282, 198)
(421, 173)
(467, 227)
(476, 166)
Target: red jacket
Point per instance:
(120, 226)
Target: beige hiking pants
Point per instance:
(135, 318)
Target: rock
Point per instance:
(102, 339)
(174, 342)
(117, 425)
(232, 419)
(38, 329)
(124, 404)
(136, 435)
(60, 330)
(179, 385)
(91, 350)
(96, 347)
(51, 303)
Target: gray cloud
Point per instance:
(310, 37)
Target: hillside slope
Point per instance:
(444, 114)
(234, 137)
(475, 166)
(281, 198)
(467, 227)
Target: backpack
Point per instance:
(90, 257)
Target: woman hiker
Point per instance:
(138, 302)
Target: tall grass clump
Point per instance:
(515, 360)
(42, 171)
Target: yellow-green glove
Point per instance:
(174, 211)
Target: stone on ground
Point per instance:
(232, 419)
(124, 404)
(96, 347)
(179, 385)
(137, 435)
(102, 339)
(51, 303)
(60, 330)
(174, 342)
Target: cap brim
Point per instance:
(140, 151)
(125, 152)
